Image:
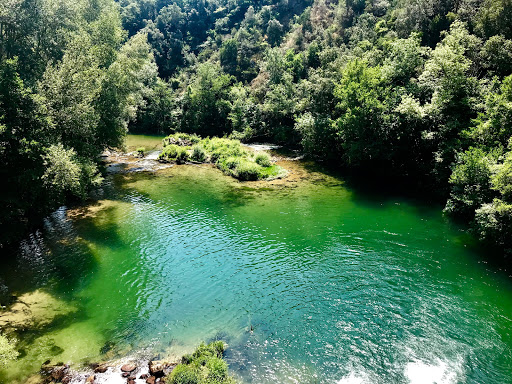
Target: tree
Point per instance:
(361, 126)
(206, 104)
(229, 56)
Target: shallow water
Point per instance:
(307, 280)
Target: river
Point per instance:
(307, 279)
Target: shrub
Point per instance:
(181, 139)
(493, 223)
(182, 155)
(247, 170)
(169, 152)
(217, 369)
(263, 159)
(204, 366)
(198, 153)
(140, 151)
(184, 374)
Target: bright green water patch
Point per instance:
(148, 142)
(306, 280)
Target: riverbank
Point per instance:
(201, 367)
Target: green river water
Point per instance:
(306, 279)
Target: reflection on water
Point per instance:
(306, 280)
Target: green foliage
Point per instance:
(204, 366)
(182, 155)
(247, 170)
(7, 351)
(263, 159)
(361, 126)
(471, 182)
(206, 103)
(140, 151)
(169, 153)
(198, 153)
(227, 154)
(493, 223)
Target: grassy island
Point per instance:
(228, 155)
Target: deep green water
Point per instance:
(308, 282)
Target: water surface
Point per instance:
(307, 280)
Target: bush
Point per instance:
(184, 374)
(217, 369)
(169, 153)
(204, 366)
(493, 223)
(140, 151)
(263, 159)
(247, 170)
(198, 153)
(182, 155)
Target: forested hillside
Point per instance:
(417, 90)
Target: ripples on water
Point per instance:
(306, 285)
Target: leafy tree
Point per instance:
(206, 104)
(361, 126)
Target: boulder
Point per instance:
(101, 368)
(151, 380)
(90, 379)
(128, 368)
(156, 368)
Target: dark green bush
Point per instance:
(263, 159)
(169, 152)
(247, 170)
(182, 155)
(198, 153)
(184, 374)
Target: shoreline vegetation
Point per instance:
(204, 366)
(228, 155)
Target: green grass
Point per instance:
(204, 366)
(228, 155)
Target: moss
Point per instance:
(204, 366)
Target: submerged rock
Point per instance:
(34, 310)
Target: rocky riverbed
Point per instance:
(126, 371)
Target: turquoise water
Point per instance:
(307, 280)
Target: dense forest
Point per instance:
(415, 90)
